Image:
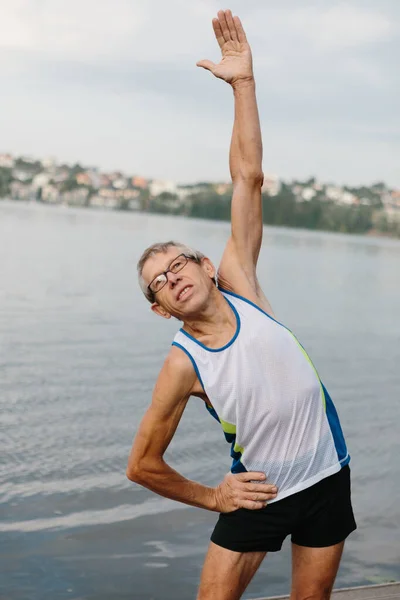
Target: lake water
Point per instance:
(80, 351)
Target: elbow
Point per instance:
(253, 177)
(141, 471)
(134, 473)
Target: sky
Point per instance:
(114, 84)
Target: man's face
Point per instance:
(186, 292)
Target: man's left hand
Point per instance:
(236, 65)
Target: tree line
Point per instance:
(284, 210)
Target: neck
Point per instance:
(216, 317)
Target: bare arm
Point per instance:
(237, 271)
(146, 465)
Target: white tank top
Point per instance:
(267, 395)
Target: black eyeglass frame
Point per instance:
(169, 271)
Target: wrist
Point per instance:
(243, 83)
(213, 499)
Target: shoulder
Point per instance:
(246, 290)
(235, 277)
(178, 374)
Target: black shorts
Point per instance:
(317, 517)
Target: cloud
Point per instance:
(346, 26)
(115, 82)
(111, 30)
(333, 26)
(77, 29)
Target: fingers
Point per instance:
(239, 30)
(256, 501)
(244, 490)
(265, 488)
(218, 32)
(251, 476)
(248, 483)
(251, 505)
(260, 496)
(228, 28)
(224, 25)
(231, 26)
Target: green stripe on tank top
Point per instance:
(312, 366)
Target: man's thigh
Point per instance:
(314, 571)
(226, 574)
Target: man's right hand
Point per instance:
(242, 491)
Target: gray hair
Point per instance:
(157, 249)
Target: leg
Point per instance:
(314, 571)
(226, 574)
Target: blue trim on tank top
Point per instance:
(330, 410)
(210, 409)
(336, 429)
(226, 345)
(212, 412)
(275, 321)
(193, 362)
(252, 304)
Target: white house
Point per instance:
(40, 180)
(157, 187)
(308, 194)
(272, 185)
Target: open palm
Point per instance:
(236, 63)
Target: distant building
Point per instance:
(83, 178)
(115, 175)
(272, 185)
(77, 197)
(50, 194)
(109, 197)
(120, 183)
(158, 187)
(48, 163)
(223, 188)
(333, 193)
(103, 201)
(6, 161)
(139, 182)
(28, 159)
(21, 191)
(396, 197)
(61, 174)
(22, 175)
(348, 198)
(392, 214)
(308, 193)
(40, 180)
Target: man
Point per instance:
(290, 471)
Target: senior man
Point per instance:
(290, 473)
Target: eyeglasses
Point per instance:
(177, 265)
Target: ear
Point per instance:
(160, 311)
(208, 267)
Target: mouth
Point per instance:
(184, 292)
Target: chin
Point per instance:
(194, 305)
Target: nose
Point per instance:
(173, 279)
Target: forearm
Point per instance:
(245, 157)
(160, 478)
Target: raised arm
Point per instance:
(237, 270)
(146, 465)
